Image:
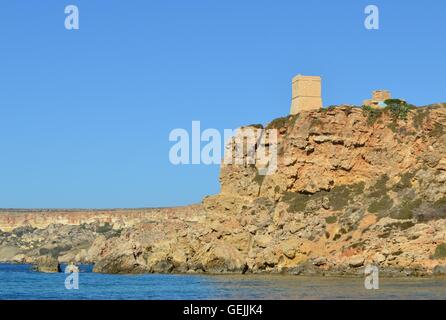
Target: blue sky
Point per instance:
(85, 115)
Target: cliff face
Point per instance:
(321, 151)
(11, 219)
(351, 188)
(69, 235)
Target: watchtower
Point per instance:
(306, 94)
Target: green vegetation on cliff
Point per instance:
(440, 251)
(338, 197)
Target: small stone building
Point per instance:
(378, 98)
(306, 94)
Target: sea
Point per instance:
(21, 282)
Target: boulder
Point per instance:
(379, 258)
(356, 262)
(46, 264)
(219, 257)
(439, 270)
(289, 248)
(71, 268)
(262, 241)
(20, 258)
(320, 261)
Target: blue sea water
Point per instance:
(21, 282)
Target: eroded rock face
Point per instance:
(348, 192)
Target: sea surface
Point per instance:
(21, 282)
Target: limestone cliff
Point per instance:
(26, 235)
(13, 218)
(352, 187)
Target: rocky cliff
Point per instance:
(68, 235)
(352, 187)
(11, 219)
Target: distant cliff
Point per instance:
(13, 218)
(69, 235)
(353, 186)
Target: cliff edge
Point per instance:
(353, 187)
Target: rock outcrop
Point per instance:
(47, 264)
(351, 189)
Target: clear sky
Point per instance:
(85, 115)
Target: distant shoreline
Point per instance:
(386, 273)
(24, 210)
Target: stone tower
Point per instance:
(378, 98)
(306, 94)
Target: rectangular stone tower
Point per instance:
(378, 98)
(381, 95)
(306, 94)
